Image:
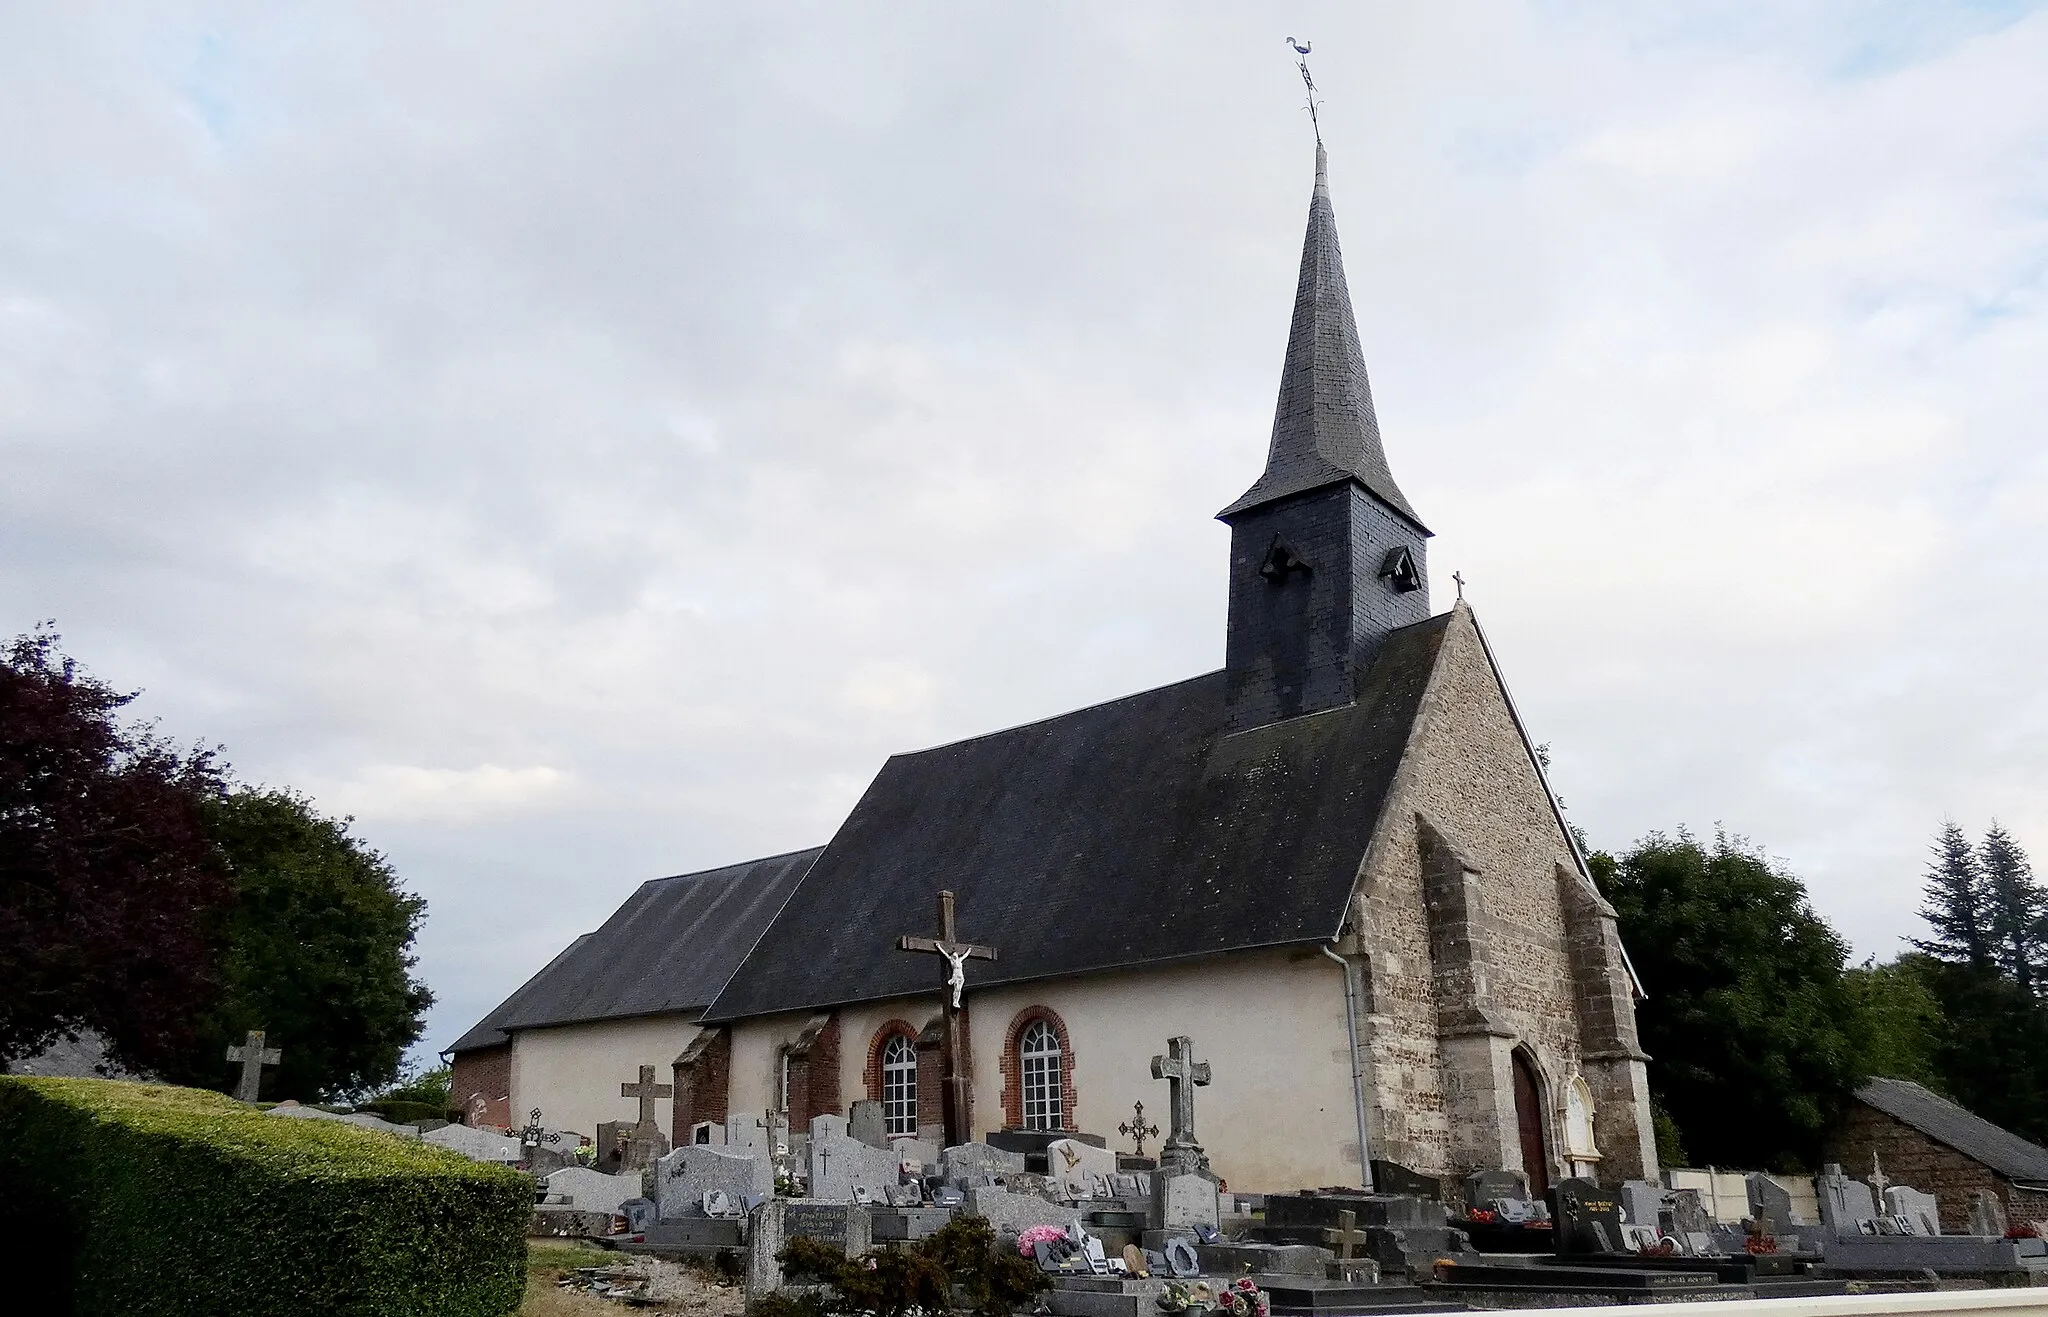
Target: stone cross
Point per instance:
(1347, 1236)
(253, 1056)
(647, 1091)
(1136, 1129)
(959, 1094)
(1183, 1074)
(1878, 1179)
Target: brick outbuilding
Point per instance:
(1922, 1139)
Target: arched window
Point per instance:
(1039, 1054)
(899, 1085)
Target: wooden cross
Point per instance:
(253, 1056)
(1346, 1236)
(1182, 1073)
(959, 1114)
(647, 1091)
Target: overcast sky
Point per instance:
(581, 441)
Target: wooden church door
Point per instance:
(1529, 1116)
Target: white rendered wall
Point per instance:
(1277, 1115)
(754, 1086)
(572, 1072)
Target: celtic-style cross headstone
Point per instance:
(959, 1113)
(533, 1136)
(647, 1091)
(1136, 1129)
(253, 1056)
(1183, 1074)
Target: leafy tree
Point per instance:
(1957, 904)
(107, 877)
(1901, 1021)
(1755, 1033)
(2018, 910)
(316, 951)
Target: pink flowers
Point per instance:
(1027, 1243)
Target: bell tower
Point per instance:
(1326, 555)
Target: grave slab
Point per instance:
(1079, 1170)
(682, 1178)
(908, 1222)
(593, 1191)
(476, 1144)
(1015, 1212)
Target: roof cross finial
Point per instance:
(1301, 49)
(1459, 577)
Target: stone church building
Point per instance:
(1335, 863)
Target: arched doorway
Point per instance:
(1529, 1121)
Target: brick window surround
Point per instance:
(485, 1072)
(872, 1076)
(1013, 1066)
(813, 1060)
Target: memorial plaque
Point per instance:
(824, 1222)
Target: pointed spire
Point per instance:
(1324, 430)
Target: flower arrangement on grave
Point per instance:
(1027, 1243)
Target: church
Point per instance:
(1335, 864)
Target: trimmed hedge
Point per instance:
(179, 1202)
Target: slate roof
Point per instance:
(1324, 429)
(1968, 1133)
(1128, 833)
(668, 948)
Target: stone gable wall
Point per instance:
(1911, 1158)
(1440, 1066)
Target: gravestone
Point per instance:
(839, 1165)
(683, 1177)
(477, 1145)
(1185, 1200)
(1394, 1178)
(1689, 1215)
(359, 1119)
(1009, 1211)
(923, 1152)
(593, 1191)
(1183, 1075)
(253, 1056)
(1587, 1218)
(978, 1159)
(1485, 1188)
(1074, 1167)
(1921, 1211)
(1845, 1204)
(1987, 1213)
(1770, 1204)
(744, 1131)
(778, 1220)
(864, 1123)
(1644, 1204)
(640, 1213)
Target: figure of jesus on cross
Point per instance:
(959, 1115)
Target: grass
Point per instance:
(546, 1261)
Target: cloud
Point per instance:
(405, 792)
(585, 443)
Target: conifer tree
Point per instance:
(2018, 910)
(1957, 904)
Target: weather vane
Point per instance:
(1301, 48)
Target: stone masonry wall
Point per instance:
(488, 1071)
(1468, 776)
(1911, 1158)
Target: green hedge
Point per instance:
(149, 1200)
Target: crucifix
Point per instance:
(1459, 577)
(647, 1091)
(959, 1114)
(253, 1056)
(1183, 1074)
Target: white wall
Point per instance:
(1271, 1025)
(572, 1072)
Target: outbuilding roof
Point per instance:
(1130, 833)
(668, 948)
(1965, 1131)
